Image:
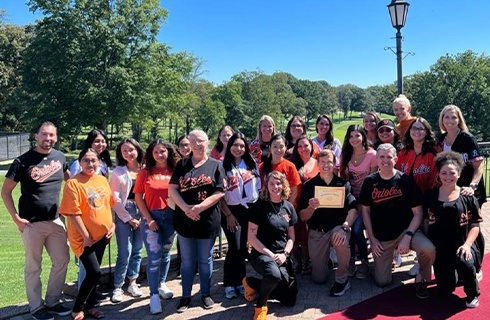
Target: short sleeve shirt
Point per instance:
(91, 198)
(326, 218)
(154, 187)
(40, 176)
(273, 221)
(195, 184)
(391, 202)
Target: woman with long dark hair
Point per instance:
(242, 190)
(97, 140)
(325, 138)
(219, 149)
(129, 235)
(358, 160)
(151, 194)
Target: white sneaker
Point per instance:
(473, 303)
(134, 290)
(414, 270)
(397, 260)
(155, 304)
(165, 291)
(117, 295)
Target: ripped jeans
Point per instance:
(158, 245)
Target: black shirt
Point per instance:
(40, 176)
(391, 202)
(195, 185)
(450, 221)
(325, 219)
(273, 221)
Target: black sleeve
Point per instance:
(256, 212)
(350, 200)
(474, 212)
(14, 171)
(365, 195)
(306, 195)
(177, 173)
(415, 197)
(292, 212)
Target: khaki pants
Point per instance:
(319, 247)
(51, 235)
(426, 254)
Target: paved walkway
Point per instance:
(313, 300)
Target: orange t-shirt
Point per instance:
(91, 198)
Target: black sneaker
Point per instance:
(42, 314)
(183, 304)
(59, 310)
(207, 302)
(101, 296)
(421, 290)
(338, 289)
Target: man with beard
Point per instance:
(40, 172)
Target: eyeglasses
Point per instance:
(383, 130)
(90, 161)
(417, 129)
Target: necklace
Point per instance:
(274, 208)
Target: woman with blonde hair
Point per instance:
(271, 235)
(260, 147)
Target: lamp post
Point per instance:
(398, 10)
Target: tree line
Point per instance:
(98, 63)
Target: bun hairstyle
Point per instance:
(449, 157)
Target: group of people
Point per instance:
(297, 202)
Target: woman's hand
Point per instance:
(193, 212)
(152, 225)
(279, 258)
(110, 232)
(464, 252)
(232, 223)
(135, 224)
(467, 191)
(87, 242)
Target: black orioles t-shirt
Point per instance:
(195, 185)
(391, 203)
(40, 176)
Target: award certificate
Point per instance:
(330, 197)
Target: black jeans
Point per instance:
(447, 262)
(278, 282)
(91, 259)
(234, 267)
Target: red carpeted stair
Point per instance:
(402, 304)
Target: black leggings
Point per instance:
(91, 259)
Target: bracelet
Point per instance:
(409, 233)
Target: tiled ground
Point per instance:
(313, 300)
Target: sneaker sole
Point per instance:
(341, 293)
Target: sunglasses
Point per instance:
(383, 130)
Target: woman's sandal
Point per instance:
(94, 313)
(78, 315)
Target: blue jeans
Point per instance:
(129, 245)
(358, 238)
(158, 245)
(192, 251)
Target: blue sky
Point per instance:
(337, 41)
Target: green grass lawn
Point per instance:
(12, 286)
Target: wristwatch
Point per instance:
(409, 233)
(345, 229)
(287, 254)
(474, 186)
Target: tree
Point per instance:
(81, 67)
(13, 41)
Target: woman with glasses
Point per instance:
(184, 146)
(295, 128)
(87, 201)
(388, 134)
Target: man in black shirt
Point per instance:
(392, 213)
(40, 172)
(328, 226)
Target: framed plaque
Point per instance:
(330, 197)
